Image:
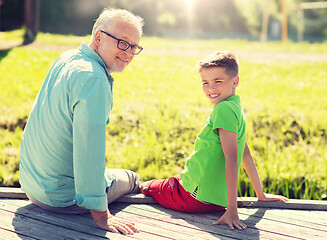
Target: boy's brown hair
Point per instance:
(223, 59)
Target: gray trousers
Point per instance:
(126, 181)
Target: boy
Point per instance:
(210, 179)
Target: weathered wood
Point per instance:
(11, 235)
(33, 213)
(8, 192)
(85, 229)
(147, 231)
(248, 202)
(19, 219)
(258, 225)
(290, 204)
(200, 229)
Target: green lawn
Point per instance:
(159, 109)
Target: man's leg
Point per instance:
(126, 181)
(73, 209)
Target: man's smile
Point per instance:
(122, 60)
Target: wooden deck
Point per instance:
(19, 219)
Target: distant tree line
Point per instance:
(202, 18)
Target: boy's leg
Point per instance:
(125, 181)
(169, 193)
(161, 191)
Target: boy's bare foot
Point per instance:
(145, 185)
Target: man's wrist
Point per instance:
(98, 216)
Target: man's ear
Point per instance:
(236, 81)
(97, 37)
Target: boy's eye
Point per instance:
(204, 83)
(218, 81)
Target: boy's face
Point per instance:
(217, 84)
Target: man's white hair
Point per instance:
(110, 16)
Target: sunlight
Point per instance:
(189, 9)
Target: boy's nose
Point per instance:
(212, 88)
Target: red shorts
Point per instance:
(169, 193)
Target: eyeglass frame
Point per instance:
(128, 44)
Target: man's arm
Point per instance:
(229, 145)
(89, 140)
(251, 170)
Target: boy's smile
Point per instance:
(217, 84)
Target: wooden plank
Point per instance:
(290, 204)
(147, 231)
(135, 198)
(262, 225)
(17, 193)
(150, 228)
(86, 230)
(194, 221)
(23, 226)
(314, 219)
(82, 223)
(156, 222)
(171, 229)
(198, 230)
(10, 235)
(8, 192)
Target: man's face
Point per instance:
(114, 58)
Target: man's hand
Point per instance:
(106, 221)
(231, 219)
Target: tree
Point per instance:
(31, 20)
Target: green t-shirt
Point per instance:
(205, 167)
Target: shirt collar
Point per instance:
(234, 98)
(93, 55)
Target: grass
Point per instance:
(159, 109)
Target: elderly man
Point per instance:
(62, 161)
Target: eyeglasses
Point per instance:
(123, 45)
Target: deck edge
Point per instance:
(244, 202)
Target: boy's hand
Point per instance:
(272, 198)
(231, 218)
(106, 221)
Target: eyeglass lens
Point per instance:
(123, 45)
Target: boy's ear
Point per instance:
(236, 81)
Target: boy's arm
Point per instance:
(251, 170)
(229, 145)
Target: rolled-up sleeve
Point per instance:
(90, 114)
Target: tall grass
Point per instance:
(159, 109)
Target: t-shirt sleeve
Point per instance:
(89, 144)
(224, 117)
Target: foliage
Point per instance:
(159, 109)
(240, 18)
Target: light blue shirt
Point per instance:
(62, 156)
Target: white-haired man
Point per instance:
(62, 161)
